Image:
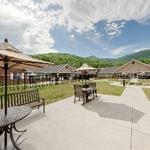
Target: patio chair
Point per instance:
(85, 84)
(93, 85)
(78, 93)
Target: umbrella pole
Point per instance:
(5, 68)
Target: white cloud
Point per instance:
(27, 23)
(141, 49)
(94, 37)
(114, 29)
(123, 50)
(26, 26)
(117, 51)
(72, 36)
(82, 15)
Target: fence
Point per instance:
(30, 81)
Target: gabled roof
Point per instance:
(107, 70)
(92, 72)
(85, 67)
(54, 69)
(134, 66)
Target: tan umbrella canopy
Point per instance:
(85, 67)
(16, 59)
(11, 58)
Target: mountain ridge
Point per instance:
(77, 61)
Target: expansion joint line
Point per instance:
(131, 134)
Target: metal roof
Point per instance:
(55, 69)
(107, 70)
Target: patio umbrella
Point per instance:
(85, 67)
(84, 70)
(12, 58)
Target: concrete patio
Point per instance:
(107, 123)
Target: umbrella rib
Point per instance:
(1, 57)
(18, 63)
(31, 64)
(26, 61)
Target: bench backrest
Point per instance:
(78, 90)
(20, 98)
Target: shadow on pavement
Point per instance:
(114, 110)
(32, 118)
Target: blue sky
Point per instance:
(106, 29)
(133, 38)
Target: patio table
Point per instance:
(87, 92)
(7, 122)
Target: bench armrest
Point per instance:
(43, 99)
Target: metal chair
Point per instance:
(93, 85)
(85, 84)
(78, 93)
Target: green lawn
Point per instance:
(144, 81)
(147, 92)
(106, 88)
(54, 93)
(57, 92)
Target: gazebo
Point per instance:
(85, 67)
(84, 70)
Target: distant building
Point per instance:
(12, 76)
(62, 70)
(134, 69)
(106, 72)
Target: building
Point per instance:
(64, 71)
(106, 72)
(134, 69)
(13, 77)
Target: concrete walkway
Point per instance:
(120, 84)
(140, 132)
(135, 93)
(107, 123)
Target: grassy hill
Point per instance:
(143, 56)
(73, 60)
(77, 61)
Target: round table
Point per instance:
(7, 122)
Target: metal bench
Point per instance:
(30, 98)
